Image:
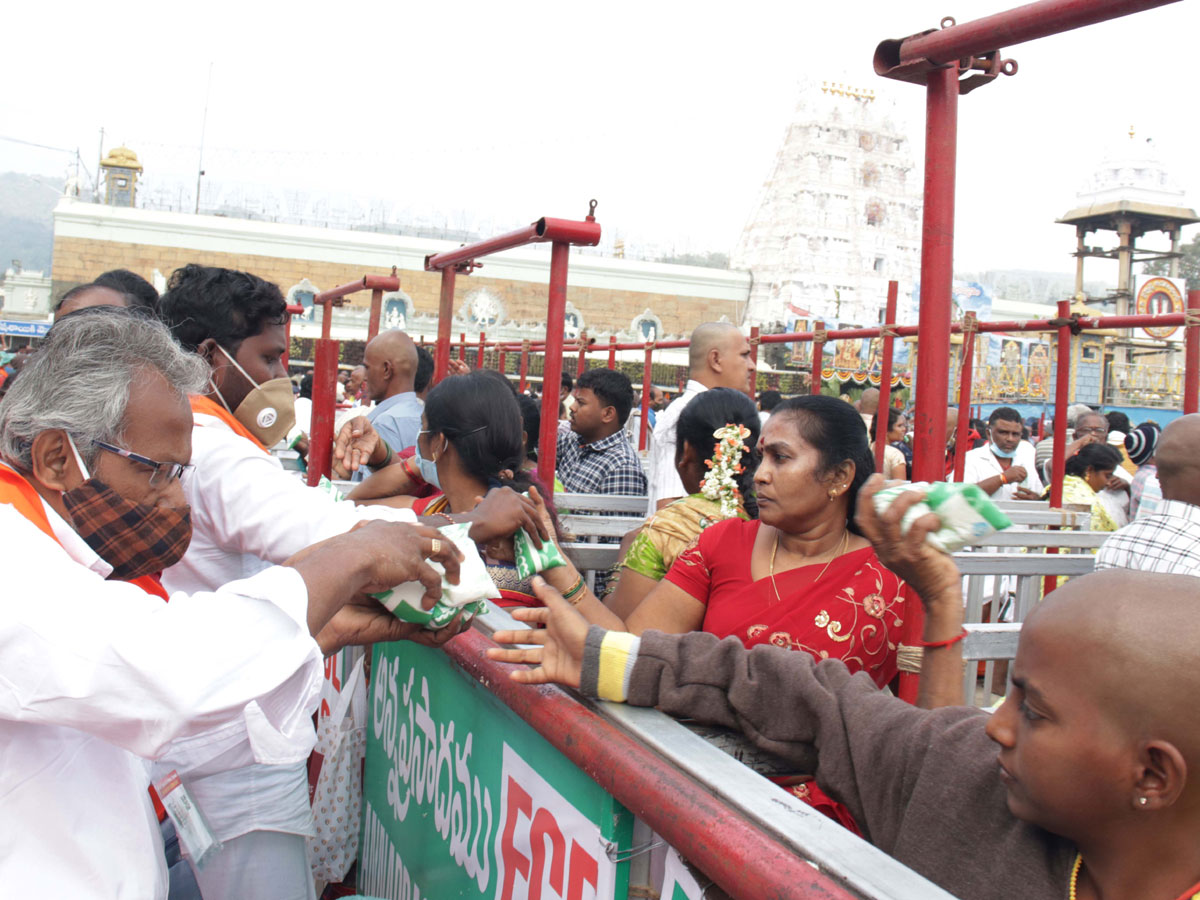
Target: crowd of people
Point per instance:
(174, 592)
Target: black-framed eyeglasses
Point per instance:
(163, 472)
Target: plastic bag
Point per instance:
(337, 795)
(474, 587)
(967, 514)
(531, 560)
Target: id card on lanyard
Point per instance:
(189, 822)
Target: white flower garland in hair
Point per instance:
(725, 465)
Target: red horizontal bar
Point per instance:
(1016, 26)
(374, 282)
(559, 231)
(727, 847)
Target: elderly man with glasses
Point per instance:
(100, 674)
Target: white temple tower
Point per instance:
(838, 217)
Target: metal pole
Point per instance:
(1191, 355)
(462, 346)
(1062, 398)
(552, 363)
(583, 344)
(525, 373)
(376, 310)
(501, 361)
(320, 443)
(646, 372)
(818, 358)
(754, 341)
(885, 375)
(964, 395)
(441, 359)
(482, 349)
(612, 351)
(937, 275)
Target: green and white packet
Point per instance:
(327, 486)
(470, 595)
(967, 514)
(531, 560)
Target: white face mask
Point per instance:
(268, 411)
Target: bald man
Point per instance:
(87, 295)
(1168, 540)
(868, 405)
(1083, 783)
(718, 356)
(390, 361)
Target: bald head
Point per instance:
(719, 356)
(868, 401)
(1177, 460)
(89, 295)
(1129, 639)
(391, 363)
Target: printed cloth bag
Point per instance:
(337, 791)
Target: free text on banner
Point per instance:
(462, 799)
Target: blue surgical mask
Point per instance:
(427, 467)
(1003, 454)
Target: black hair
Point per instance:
(836, 431)
(980, 428)
(1118, 421)
(768, 400)
(613, 389)
(715, 409)
(499, 378)
(481, 418)
(531, 423)
(1004, 414)
(894, 416)
(137, 290)
(567, 381)
(228, 306)
(306, 386)
(424, 373)
(1093, 456)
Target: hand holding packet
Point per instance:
(530, 560)
(967, 514)
(470, 595)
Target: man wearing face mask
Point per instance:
(248, 514)
(100, 674)
(1004, 466)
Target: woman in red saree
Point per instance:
(801, 576)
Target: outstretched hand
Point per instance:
(557, 653)
(365, 620)
(930, 572)
(502, 513)
(354, 446)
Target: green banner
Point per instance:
(462, 799)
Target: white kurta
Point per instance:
(664, 480)
(249, 514)
(980, 464)
(99, 676)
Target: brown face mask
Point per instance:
(134, 538)
(268, 411)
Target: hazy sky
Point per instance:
(670, 114)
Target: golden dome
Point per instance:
(123, 158)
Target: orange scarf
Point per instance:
(209, 407)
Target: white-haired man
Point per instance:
(100, 675)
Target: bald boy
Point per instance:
(390, 360)
(718, 356)
(1085, 777)
(1168, 540)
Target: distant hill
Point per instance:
(26, 219)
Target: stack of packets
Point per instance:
(469, 596)
(967, 514)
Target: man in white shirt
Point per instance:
(718, 356)
(1004, 467)
(100, 674)
(249, 514)
(1167, 540)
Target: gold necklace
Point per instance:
(1192, 892)
(775, 548)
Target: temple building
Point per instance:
(839, 215)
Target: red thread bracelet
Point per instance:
(933, 645)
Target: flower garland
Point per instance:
(725, 465)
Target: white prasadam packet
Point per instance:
(967, 514)
(470, 595)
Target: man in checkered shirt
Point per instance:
(1168, 541)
